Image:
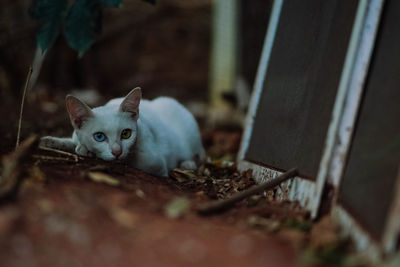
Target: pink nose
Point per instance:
(116, 153)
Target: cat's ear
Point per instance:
(78, 111)
(131, 103)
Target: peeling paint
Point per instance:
(297, 189)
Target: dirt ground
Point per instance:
(62, 218)
(87, 212)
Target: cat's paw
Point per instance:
(48, 141)
(65, 144)
(82, 151)
(188, 165)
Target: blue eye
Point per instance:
(99, 136)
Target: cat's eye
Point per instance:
(126, 133)
(99, 136)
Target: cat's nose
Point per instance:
(116, 150)
(116, 153)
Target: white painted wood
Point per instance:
(260, 77)
(351, 85)
(339, 133)
(307, 193)
(392, 230)
(296, 189)
(350, 90)
(348, 96)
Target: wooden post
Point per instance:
(224, 51)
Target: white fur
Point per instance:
(164, 136)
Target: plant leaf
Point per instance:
(51, 15)
(111, 3)
(83, 24)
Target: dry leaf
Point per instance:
(270, 195)
(177, 207)
(200, 193)
(139, 193)
(182, 175)
(269, 225)
(124, 217)
(100, 177)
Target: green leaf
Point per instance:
(111, 3)
(51, 14)
(83, 24)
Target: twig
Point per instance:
(11, 174)
(50, 158)
(74, 156)
(28, 78)
(222, 205)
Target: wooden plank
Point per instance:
(368, 186)
(300, 85)
(254, 17)
(306, 192)
(352, 85)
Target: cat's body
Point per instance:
(163, 136)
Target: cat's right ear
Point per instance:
(78, 111)
(131, 103)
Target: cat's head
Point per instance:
(108, 131)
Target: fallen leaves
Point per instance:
(177, 207)
(217, 180)
(140, 194)
(182, 175)
(100, 177)
(224, 204)
(124, 217)
(265, 224)
(318, 244)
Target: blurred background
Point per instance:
(204, 53)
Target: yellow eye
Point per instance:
(126, 133)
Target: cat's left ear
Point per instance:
(131, 103)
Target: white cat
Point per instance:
(164, 136)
